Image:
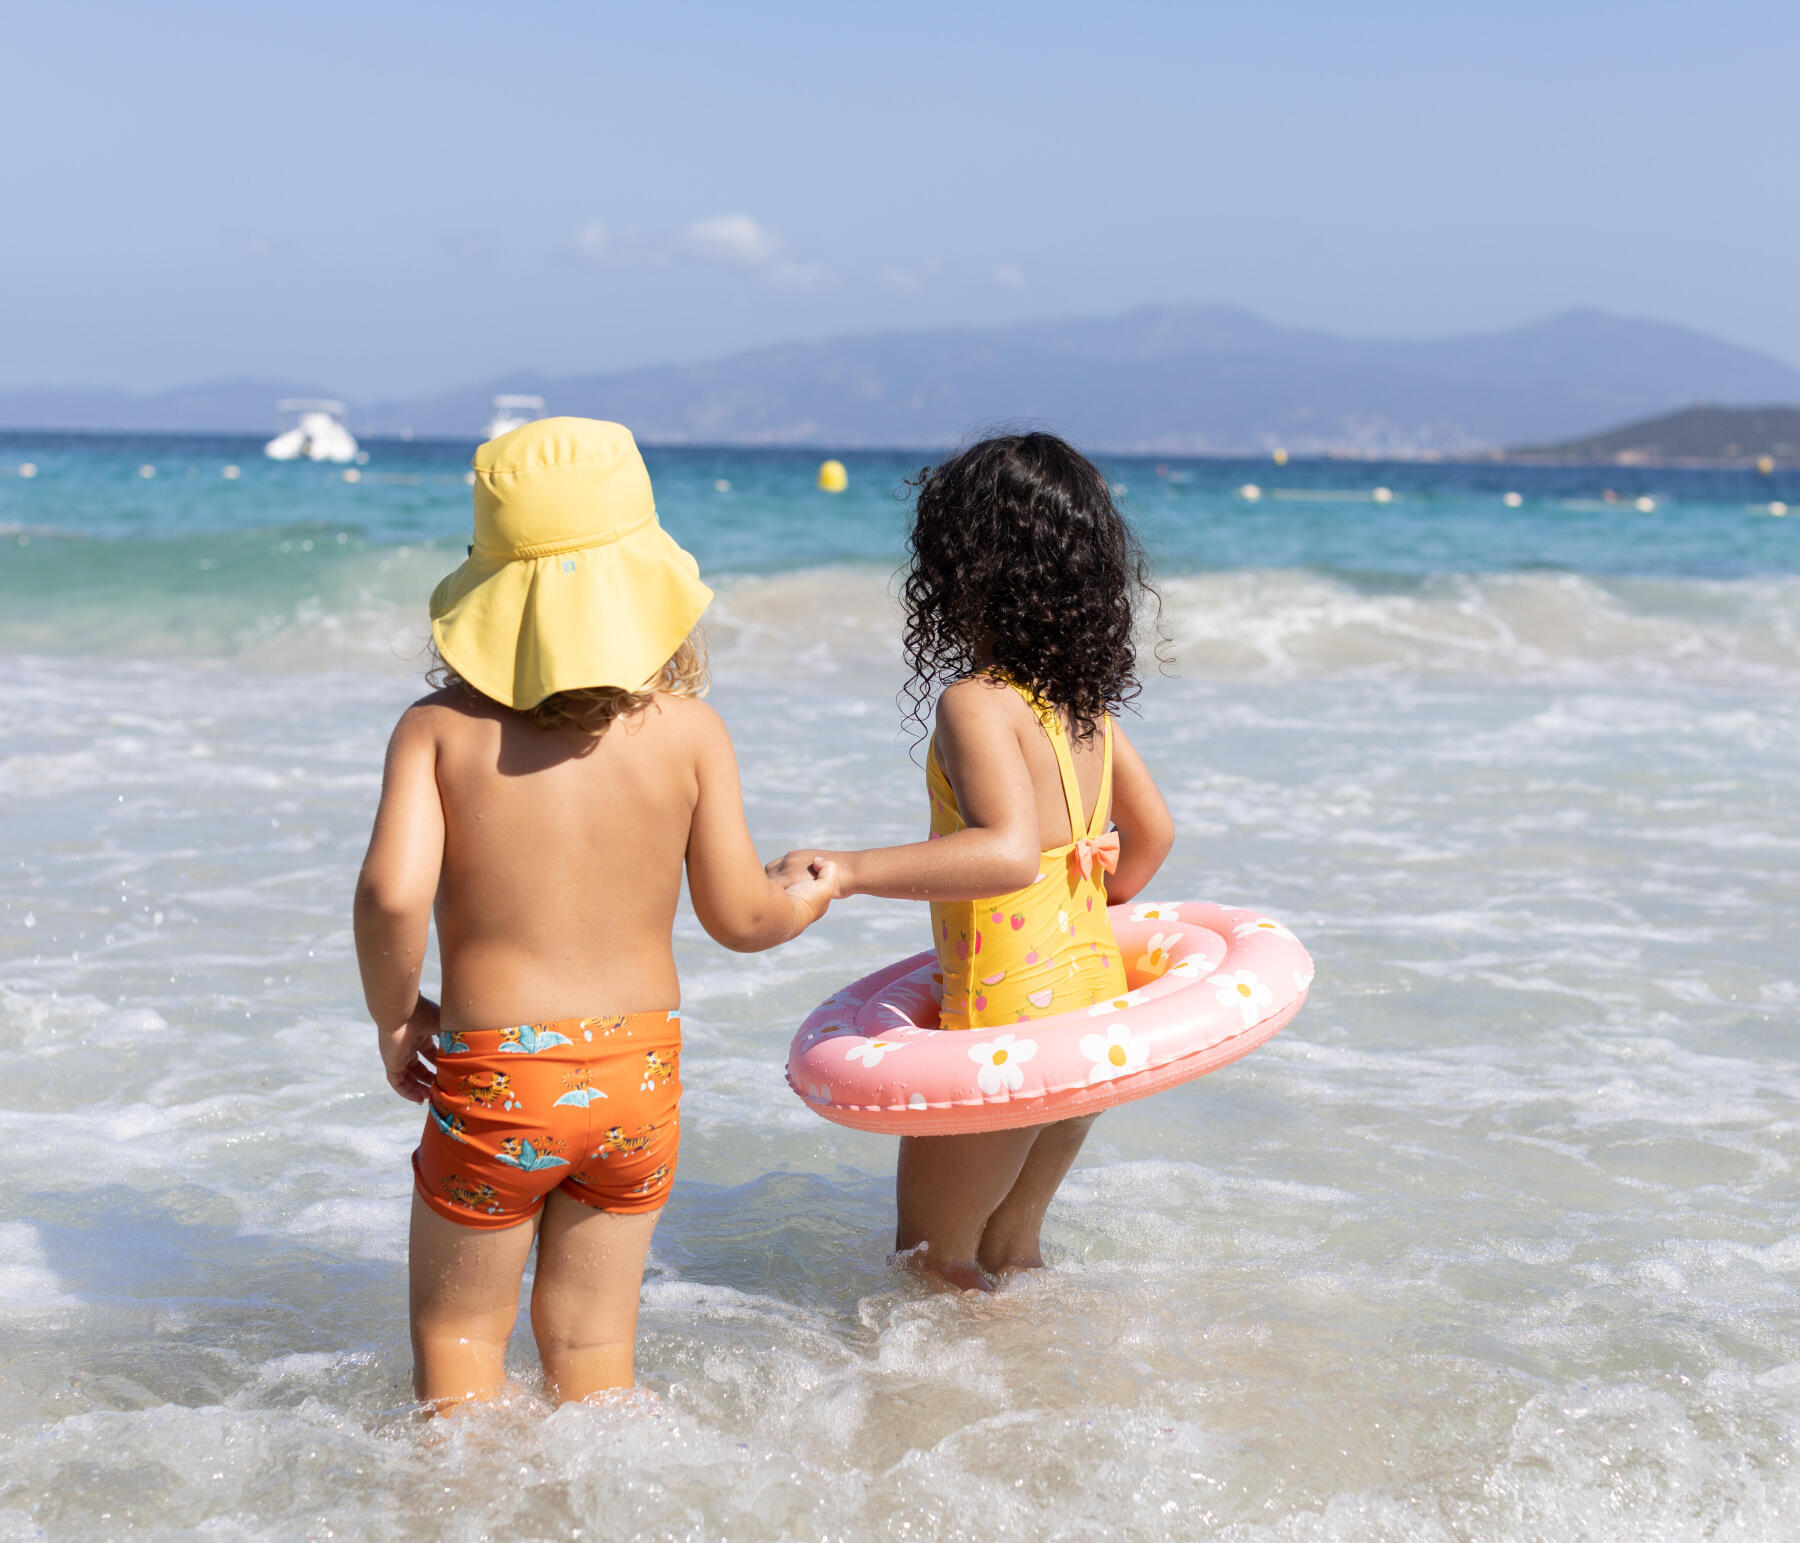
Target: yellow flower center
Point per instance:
(1243, 990)
(999, 1058)
(1116, 1054)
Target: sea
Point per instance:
(1500, 1239)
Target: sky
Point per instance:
(387, 198)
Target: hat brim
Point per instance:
(520, 630)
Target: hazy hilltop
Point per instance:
(1700, 433)
(1167, 379)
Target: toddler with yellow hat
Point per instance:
(545, 799)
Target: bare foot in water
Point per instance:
(946, 1274)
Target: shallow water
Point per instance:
(1499, 1240)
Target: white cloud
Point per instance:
(733, 238)
(593, 241)
(1010, 276)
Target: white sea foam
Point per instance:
(1498, 1241)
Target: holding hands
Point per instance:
(811, 884)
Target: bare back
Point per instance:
(562, 861)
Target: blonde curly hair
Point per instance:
(593, 709)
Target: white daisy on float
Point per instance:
(1242, 990)
(1155, 957)
(1116, 1053)
(1192, 965)
(1001, 1062)
(870, 1051)
(1263, 924)
(1155, 911)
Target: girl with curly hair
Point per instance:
(1021, 601)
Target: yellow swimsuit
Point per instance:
(1046, 948)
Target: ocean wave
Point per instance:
(1253, 624)
(325, 600)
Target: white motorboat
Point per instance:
(317, 435)
(512, 412)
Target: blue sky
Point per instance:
(397, 197)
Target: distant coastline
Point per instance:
(1701, 435)
(1197, 381)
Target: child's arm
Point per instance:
(997, 851)
(737, 902)
(1145, 830)
(394, 894)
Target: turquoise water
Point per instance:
(1500, 1240)
(1443, 517)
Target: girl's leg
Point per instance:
(584, 1304)
(946, 1188)
(465, 1296)
(1010, 1239)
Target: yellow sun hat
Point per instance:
(571, 582)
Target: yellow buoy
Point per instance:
(1765, 464)
(1280, 456)
(832, 476)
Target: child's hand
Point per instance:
(407, 1073)
(812, 894)
(808, 863)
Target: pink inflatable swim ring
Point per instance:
(1208, 983)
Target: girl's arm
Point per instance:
(1145, 830)
(737, 902)
(394, 894)
(995, 854)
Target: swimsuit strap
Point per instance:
(1103, 803)
(1065, 761)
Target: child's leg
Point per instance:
(1010, 1239)
(946, 1188)
(465, 1296)
(584, 1304)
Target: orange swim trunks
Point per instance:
(589, 1106)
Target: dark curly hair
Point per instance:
(1016, 544)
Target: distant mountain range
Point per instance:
(1702, 433)
(1165, 379)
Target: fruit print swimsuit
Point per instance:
(590, 1106)
(1043, 949)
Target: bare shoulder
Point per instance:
(977, 698)
(439, 715)
(687, 718)
(978, 704)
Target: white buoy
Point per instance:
(351, 474)
(1250, 492)
(232, 474)
(1512, 500)
(722, 485)
(1383, 495)
(469, 477)
(1778, 508)
(146, 471)
(28, 469)
(1643, 505)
